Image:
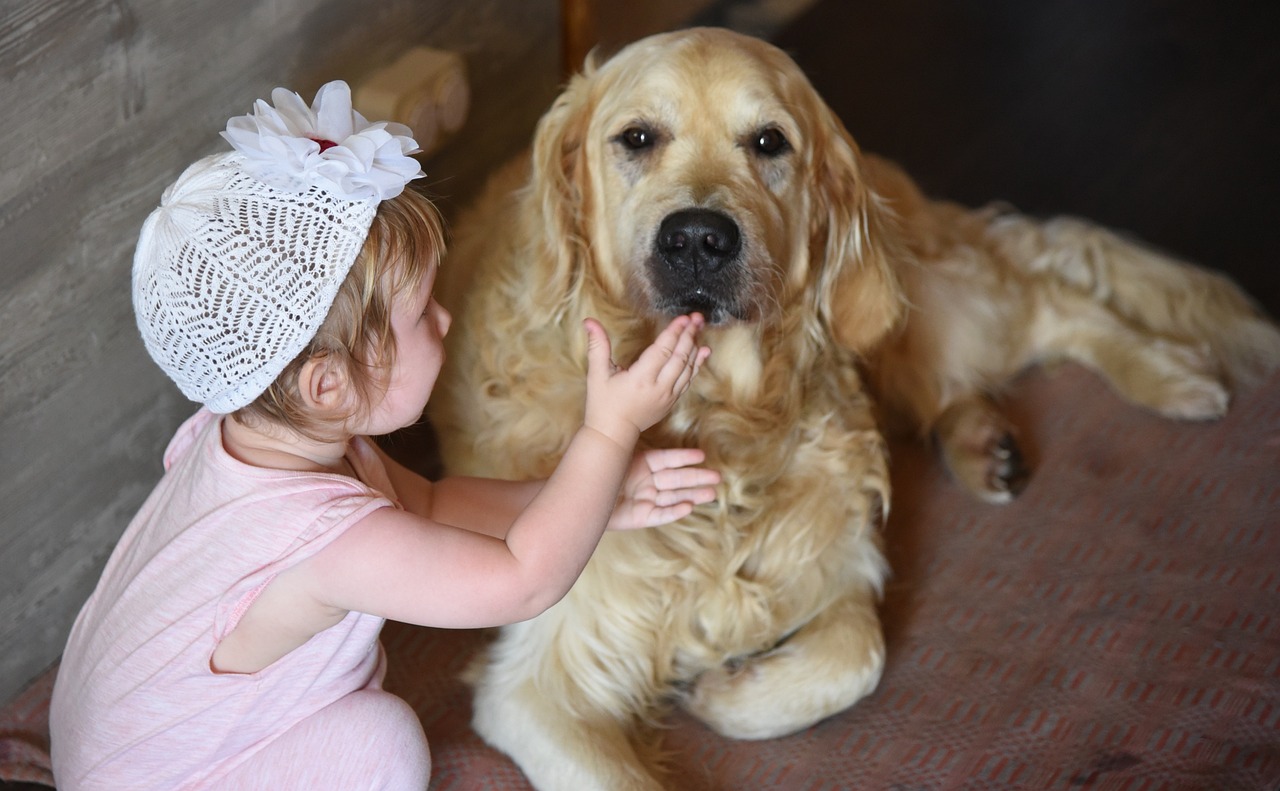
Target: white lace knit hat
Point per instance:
(236, 270)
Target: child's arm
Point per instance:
(406, 568)
(481, 505)
(661, 486)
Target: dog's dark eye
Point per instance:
(636, 138)
(771, 142)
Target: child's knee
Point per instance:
(368, 739)
(385, 725)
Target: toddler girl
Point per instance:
(232, 641)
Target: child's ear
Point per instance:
(323, 384)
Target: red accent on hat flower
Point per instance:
(293, 147)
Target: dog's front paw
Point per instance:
(828, 665)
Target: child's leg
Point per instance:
(369, 739)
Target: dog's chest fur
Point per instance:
(803, 477)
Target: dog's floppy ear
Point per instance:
(560, 190)
(855, 235)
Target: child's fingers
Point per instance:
(670, 335)
(685, 478)
(670, 458)
(690, 370)
(698, 496)
(664, 346)
(599, 350)
(682, 355)
(703, 353)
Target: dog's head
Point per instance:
(699, 171)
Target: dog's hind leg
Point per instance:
(1153, 294)
(826, 666)
(1176, 379)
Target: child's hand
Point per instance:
(621, 403)
(662, 487)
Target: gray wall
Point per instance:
(105, 102)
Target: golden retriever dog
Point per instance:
(699, 171)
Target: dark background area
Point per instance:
(1160, 119)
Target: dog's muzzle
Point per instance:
(697, 266)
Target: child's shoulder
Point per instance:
(189, 433)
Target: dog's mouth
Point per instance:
(696, 265)
(715, 311)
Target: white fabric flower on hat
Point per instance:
(292, 146)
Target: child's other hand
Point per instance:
(621, 403)
(661, 487)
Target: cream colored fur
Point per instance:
(993, 292)
(758, 613)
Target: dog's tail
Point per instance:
(1149, 289)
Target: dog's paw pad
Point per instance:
(990, 465)
(1007, 472)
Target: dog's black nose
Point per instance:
(698, 240)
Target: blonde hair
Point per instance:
(405, 239)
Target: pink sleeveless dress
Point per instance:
(136, 704)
